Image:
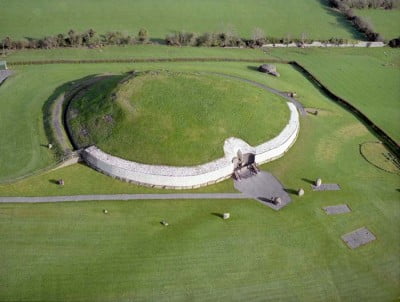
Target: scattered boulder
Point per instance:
(269, 68)
(164, 223)
(105, 211)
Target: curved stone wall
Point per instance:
(196, 176)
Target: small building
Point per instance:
(3, 65)
(269, 68)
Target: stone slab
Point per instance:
(337, 209)
(326, 187)
(358, 238)
(264, 187)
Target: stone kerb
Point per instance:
(195, 176)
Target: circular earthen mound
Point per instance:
(173, 118)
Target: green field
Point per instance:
(385, 22)
(161, 117)
(74, 252)
(367, 78)
(26, 18)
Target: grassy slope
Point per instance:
(386, 22)
(367, 78)
(72, 251)
(168, 117)
(26, 18)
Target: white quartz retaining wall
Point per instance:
(195, 176)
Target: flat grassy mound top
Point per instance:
(174, 118)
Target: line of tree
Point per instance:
(361, 24)
(88, 38)
(231, 39)
(361, 4)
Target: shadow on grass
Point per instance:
(53, 181)
(219, 215)
(341, 19)
(253, 68)
(308, 181)
(291, 191)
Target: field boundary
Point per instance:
(146, 60)
(381, 134)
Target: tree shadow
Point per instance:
(342, 21)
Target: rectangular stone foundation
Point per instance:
(358, 238)
(326, 187)
(338, 209)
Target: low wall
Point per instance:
(321, 44)
(190, 177)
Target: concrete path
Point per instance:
(123, 197)
(264, 187)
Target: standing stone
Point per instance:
(300, 192)
(318, 182)
(50, 146)
(61, 182)
(278, 200)
(226, 216)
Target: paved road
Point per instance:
(123, 197)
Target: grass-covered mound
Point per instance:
(174, 118)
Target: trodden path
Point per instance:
(42, 199)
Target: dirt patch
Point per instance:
(329, 147)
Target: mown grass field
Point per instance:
(367, 78)
(72, 251)
(164, 117)
(278, 18)
(385, 22)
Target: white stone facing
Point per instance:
(194, 176)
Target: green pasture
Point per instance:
(72, 251)
(162, 117)
(133, 52)
(385, 22)
(25, 18)
(367, 78)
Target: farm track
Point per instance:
(109, 197)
